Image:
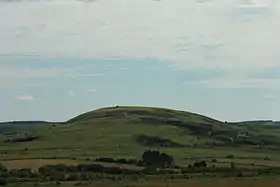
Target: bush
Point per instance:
(201, 164)
(2, 168)
(73, 177)
(230, 156)
(232, 165)
(157, 159)
(3, 182)
(240, 174)
(21, 173)
(57, 176)
(266, 158)
(120, 160)
(214, 160)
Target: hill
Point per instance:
(21, 126)
(128, 131)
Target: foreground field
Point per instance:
(69, 151)
(186, 183)
(34, 164)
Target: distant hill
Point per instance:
(21, 126)
(128, 131)
(259, 122)
(25, 122)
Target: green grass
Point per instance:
(256, 182)
(112, 132)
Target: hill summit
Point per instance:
(152, 114)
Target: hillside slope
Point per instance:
(128, 131)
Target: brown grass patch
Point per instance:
(34, 164)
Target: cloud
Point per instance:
(29, 73)
(89, 75)
(183, 33)
(92, 90)
(237, 83)
(124, 68)
(25, 97)
(269, 96)
(71, 93)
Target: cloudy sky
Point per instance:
(59, 58)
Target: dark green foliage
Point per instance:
(110, 160)
(23, 139)
(201, 164)
(232, 165)
(72, 177)
(57, 176)
(214, 160)
(49, 169)
(22, 173)
(156, 141)
(3, 182)
(118, 160)
(230, 156)
(157, 159)
(240, 174)
(2, 168)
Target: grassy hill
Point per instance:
(15, 127)
(128, 131)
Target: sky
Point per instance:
(60, 58)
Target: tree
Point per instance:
(3, 182)
(201, 164)
(155, 158)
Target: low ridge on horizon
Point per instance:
(132, 107)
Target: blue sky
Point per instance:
(214, 57)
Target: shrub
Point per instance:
(2, 168)
(214, 160)
(57, 176)
(266, 158)
(230, 156)
(21, 173)
(240, 174)
(201, 164)
(3, 182)
(157, 159)
(232, 165)
(72, 177)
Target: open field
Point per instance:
(193, 183)
(127, 132)
(34, 164)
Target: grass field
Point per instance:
(113, 132)
(193, 183)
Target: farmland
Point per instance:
(235, 154)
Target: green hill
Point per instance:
(128, 131)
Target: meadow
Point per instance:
(126, 132)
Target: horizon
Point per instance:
(59, 59)
(48, 121)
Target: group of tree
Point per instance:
(61, 172)
(117, 160)
(149, 158)
(157, 159)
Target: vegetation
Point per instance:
(138, 144)
(156, 142)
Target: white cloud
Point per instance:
(92, 90)
(25, 97)
(183, 33)
(231, 82)
(71, 93)
(269, 96)
(29, 73)
(90, 74)
(124, 68)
